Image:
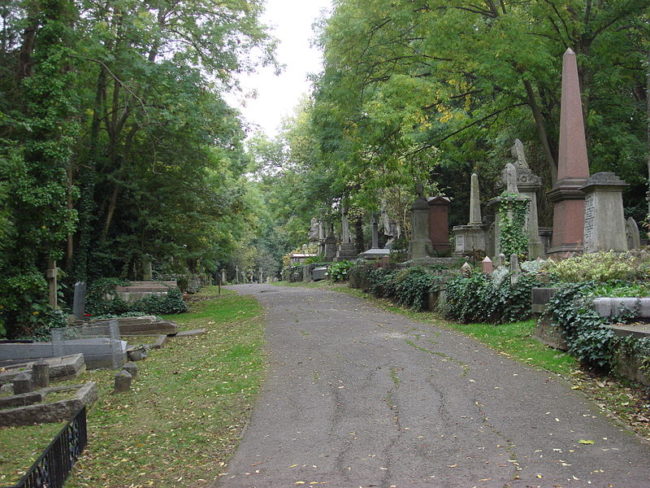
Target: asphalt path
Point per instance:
(359, 397)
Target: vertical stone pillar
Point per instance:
(330, 245)
(439, 224)
(79, 300)
(147, 268)
(53, 288)
(474, 202)
(420, 245)
(237, 274)
(375, 233)
(573, 167)
(604, 224)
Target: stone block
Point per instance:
(607, 307)
(41, 374)
(540, 298)
(23, 384)
(550, 335)
(123, 381)
(319, 273)
(131, 368)
(21, 400)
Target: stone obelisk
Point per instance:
(573, 167)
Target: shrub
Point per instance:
(601, 267)
(101, 298)
(339, 271)
(482, 298)
(171, 303)
(412, 287)
(380, 281)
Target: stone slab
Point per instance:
(61, 368)
(640, 331)
(550, 335)
(21, 400)
(97, 352)
(191, 333)
(50, 412)
(540, 298)
(606, 306)
(319, 273)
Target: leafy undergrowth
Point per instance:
(188, 405)
(21, 446)
(618, 399)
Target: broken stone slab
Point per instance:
(97, 352)
(639, 331)
(191, 333)
(50, 412)
(137, 354)
(21, 400)
(608, 307)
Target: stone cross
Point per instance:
(511, 178)
(474, 202)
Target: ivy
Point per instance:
(513, 238)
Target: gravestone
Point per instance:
(131, 368)
(79, 300)
(486, 265)
(420, 245)
(223, 276)
(515, 269)
(633, 235)
(237, 274)
(471, 238)
(347, 249)
(439, 224)
(41, 374)
(509, 178)
(123, 381)
(529, 185)
(147, 268)
(604, 222)
(375, 252)
(466, 270)
(330, 245)
(573, 167)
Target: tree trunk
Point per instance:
(540, 123)
(111, 211)
(358, 229)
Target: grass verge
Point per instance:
(619, 399)
(183, 417)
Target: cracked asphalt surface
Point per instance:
(359, 397)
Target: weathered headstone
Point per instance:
(471, 238)
(633, 234)
(604, 222)
(22, 384)
(347, 249)
(237, 274)
(223, 276)
(573, 166)
(439, 223)
(79, 300)
(123, 381)
(514, 264)
(420, 245)
(466, 270)
(511, 179)
(41, 374)
(486, 265)
(330, 245)
(375, 252)
(147, 268)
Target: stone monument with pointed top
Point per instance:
(471, 239)
(573, 167)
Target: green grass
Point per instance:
(182, 419)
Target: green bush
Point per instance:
(583, 329)
(412, 287)
(171, 303)
(381, 281)
(481, 298)
(601, 267)
(339, 271)
(102, 300)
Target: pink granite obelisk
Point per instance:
(573, 167)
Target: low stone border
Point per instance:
(61, 368)
(50, 412)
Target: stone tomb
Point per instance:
(60, 368)
(137, 290)
(604, 222)
(470, 239)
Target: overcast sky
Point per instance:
(291, 22)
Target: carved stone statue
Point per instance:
(511, 178)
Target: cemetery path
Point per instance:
(359, 397)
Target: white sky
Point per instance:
(291, 22)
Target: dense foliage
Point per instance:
(601, 267)
(339, 271)
(116, 146)
(490, 299)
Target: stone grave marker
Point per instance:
(79, 300)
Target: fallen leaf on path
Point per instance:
(587, 442)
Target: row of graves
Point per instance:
(38, 380)
(588, 217)
(587, 209)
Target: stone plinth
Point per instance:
(330, 247)
(470, 239)
(420, 245)
(347, 251)
(439, 224)
(604, 224)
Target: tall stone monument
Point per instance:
(439, 224)
(573, 167)
(471, 238)
(604, 226)
(528, 184)
(375, 252)
(347, 249)
(420, 245)
(330, 245)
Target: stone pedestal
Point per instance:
(470, 239)
(330, 247)
(347, 251)
(439, 224)
(604, 224)
(420, 245)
